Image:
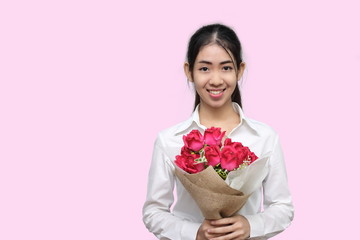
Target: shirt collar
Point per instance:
(194, 120)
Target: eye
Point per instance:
(227, 68)
(204, 69)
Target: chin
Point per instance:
(218, 104)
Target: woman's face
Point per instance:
(214, 76)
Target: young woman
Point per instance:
(214, 65)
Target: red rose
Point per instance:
(213, 136)
(250, 155)
(242, 155)
(188, 164)
(212, 155)
(230, 158)
(194, 140)
(234, 154)
(238, 146)
(185, 151)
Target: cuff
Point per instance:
(256, 225)
(189, 230)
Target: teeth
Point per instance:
(215, 92)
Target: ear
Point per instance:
(187, 72)
(241, 70)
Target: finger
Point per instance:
(221, 230)
(212, 236)
(223, 221)
(230, 236)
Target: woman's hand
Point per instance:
(203, 232)
(232, 228)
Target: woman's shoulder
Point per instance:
(261, 128)
(173, 132)
(170, 139)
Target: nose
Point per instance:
(216, 79)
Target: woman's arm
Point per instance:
(278, 208)
(156, 211)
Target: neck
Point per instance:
(216, 115)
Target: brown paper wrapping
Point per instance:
(214, 197)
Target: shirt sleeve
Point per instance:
(157, 216)
(278, 208)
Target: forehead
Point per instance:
(214, 53)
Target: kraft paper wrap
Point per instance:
(215, 198)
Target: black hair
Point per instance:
(225, 37)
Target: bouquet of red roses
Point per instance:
(204, 158)
(201, 151)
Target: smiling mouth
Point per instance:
(216, 91)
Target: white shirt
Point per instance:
(184, 219)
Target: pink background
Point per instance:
(86, 85)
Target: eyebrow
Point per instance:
(210, 63)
